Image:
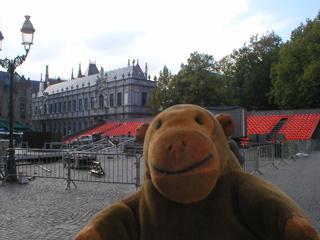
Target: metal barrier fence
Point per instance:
(125, 168)
(264, 155)
(77, 166)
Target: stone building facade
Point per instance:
(70, 106)
(21, 98)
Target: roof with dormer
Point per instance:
(91, 70)
(112, 75)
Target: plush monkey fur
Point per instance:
(194, 188)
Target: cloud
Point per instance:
(115, 42)
(43, 52)
(160, 33)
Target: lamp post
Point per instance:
(27, 31)
(1, 38)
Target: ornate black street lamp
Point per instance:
(27, 31)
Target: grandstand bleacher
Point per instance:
(109, 129)
(295, 127)
(128, 128)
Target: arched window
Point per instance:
(101, 101)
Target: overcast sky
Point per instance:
(159, 33)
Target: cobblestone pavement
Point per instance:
(300, 179)
(44, 209)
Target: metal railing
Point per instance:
(266, 155)
(76, 166)
(124, 168)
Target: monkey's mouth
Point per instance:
(183, 170)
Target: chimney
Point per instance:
(146, 71)
(47, 74)
(41, 85)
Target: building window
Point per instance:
(55, 107)
(80, 104)
(59, 107)
(35, 110)
(143, 98)
(101, 101)
(50, 108)
(69, 106)
(22, 93)
(22, 108)
(92, 102)
(74, 127)
(64, 106)
(80, 126)
(44, 108)
(111, 100)
(85, 103)
(74, 105)
(119, 99)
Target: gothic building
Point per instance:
(96, 96)
(21, 98)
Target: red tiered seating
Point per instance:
(297, 126)
(261, 124)
(103, 128)
(124, 129)
(301, 127)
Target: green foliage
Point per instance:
(226, 67)
(296, 77)
(252, 64)
(160, 98)
(264, 73)
(197, 82)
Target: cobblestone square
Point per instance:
(44, 209)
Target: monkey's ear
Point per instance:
(141, 132)
(227, 123)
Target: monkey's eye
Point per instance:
(198, 120)
(159, 124)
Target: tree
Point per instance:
(296, 77)
(252, 68)
(160, 98)
(226, 68)
(197, 83)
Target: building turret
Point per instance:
(146, 71)
(79, 72)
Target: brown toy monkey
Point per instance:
(194, 188)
